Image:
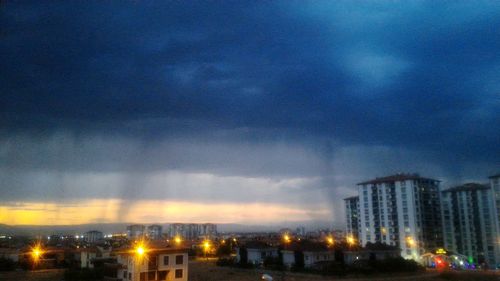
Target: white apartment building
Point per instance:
(208, 230)
(402, 210)
(495, 187)
(352, 217)
(93, 236)
(155, 232)
(135, 231)
(158, 262)
(469, 222)
(192, 231)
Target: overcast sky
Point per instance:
(238, 111)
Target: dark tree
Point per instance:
(299, 259)
(243, 255)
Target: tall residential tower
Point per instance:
(469, 222)
(401, 210)
(352, 217)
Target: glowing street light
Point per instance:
(177, 240)
(36, 253)
(330, 240)
(139, 251)
(350, 240)
(410, 241)
(287, 238)
(206, 247)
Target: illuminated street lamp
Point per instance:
(206, 247)
(177, 240)
(140, 250)
(350, 240)
(410, 241)
(36, 253)
(330, 241)
(286, 238)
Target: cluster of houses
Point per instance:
(310, 254)
(141, 259)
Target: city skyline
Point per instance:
(253, 113)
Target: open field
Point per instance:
(208, 271)
(39, 275)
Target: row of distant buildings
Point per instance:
(414, 214)
(186, 231)
(155, 232)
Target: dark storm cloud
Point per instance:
(251, 88)
(102, 65)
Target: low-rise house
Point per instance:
(150, 261)
(310, 253)
(87, 256)
(372, 251)
(255, 252)
(10, 253)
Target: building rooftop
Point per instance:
(307, 246)
(352, 197)
(255, 244)
(467, 187)
(495, 176)
(396, 177)
(157, 247)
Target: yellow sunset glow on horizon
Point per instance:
(150, 211)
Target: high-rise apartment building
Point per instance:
(401, 210)
(495, 187)
(155, 232)
(93, 236)
(469, 222)
(352, 217)
(135, 231)
(192, 231)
